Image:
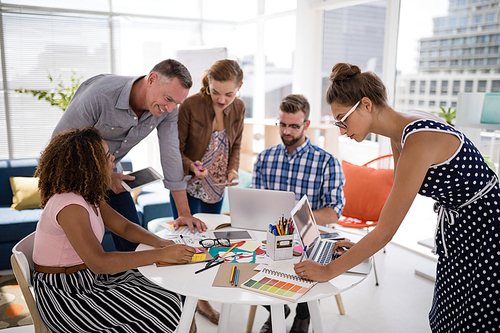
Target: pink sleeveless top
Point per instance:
(52, 247)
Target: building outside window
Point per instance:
(469, 85)
(481, 86)
(495, 86)
(412, 86)
(456, 87)
(422, 87)
(444, 87)
(433, 87)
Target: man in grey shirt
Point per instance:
(125, 110)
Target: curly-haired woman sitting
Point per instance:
(78, 286)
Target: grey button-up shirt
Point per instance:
(103, 102)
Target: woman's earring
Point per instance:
(208, 90)
(238, 94)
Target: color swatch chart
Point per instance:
(283, 288)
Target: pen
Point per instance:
(236, 278)
(197, 167)
(205, 268)
(303, 253)
(182, 239)
(229, 250)
(232, 275)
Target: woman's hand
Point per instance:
(196, 170)
(342, 246)
(231, 176)
(313, 271)
(177, 254)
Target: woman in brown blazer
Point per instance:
(210, 129)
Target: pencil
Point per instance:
(236, 278)
(232, 275)
(229, 250)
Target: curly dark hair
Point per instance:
(74, 161)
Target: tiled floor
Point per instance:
(399, 304)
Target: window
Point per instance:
(411, 102)
(495, 38)
(444, 87)
(468, 85)
(492, 61)
(442, 104)
(422, 87)
(433, 87)
(464, 20)
(495, 86)
(456, 87)
(353, 34)
(453, 104)
(493, 49)
(432, 103)
(465, 62)
(478, 62)
(477, 19)
(481, 86)
(412, 86)
(421, 103)
(490, 17)
(479, 50)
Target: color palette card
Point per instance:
(275, 281)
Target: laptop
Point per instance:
(255, 209)
(318, 249)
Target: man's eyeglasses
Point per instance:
(292, 127)
(209, 242)
(341, 122)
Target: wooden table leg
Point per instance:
(251, 318)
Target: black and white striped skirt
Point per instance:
(121, 302)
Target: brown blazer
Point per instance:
(195, 129)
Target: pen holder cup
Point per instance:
(279, 247)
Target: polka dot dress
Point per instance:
(467, 290)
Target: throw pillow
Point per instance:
(25, 190)
(365, 190)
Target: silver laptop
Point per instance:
(255, 209)
(318, 249)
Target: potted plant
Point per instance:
(58, 96)
(447, 115)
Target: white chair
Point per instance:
(22, 265)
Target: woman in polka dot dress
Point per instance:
(437, 161)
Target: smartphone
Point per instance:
(142, 178)
(234, 182)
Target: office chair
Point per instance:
(22, 265)
(366, 189)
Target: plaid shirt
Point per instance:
(309, 170)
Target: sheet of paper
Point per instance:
(249, 246)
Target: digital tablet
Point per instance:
(142, 178)
(233, 234)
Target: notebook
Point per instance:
(255, 208)
(279, 280)
(318, 249)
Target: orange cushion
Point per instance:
(365, 190)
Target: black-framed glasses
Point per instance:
(209, 242)
(292, 127)
(341, 122)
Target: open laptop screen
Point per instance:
(304, 222)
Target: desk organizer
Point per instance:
(279, 247)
